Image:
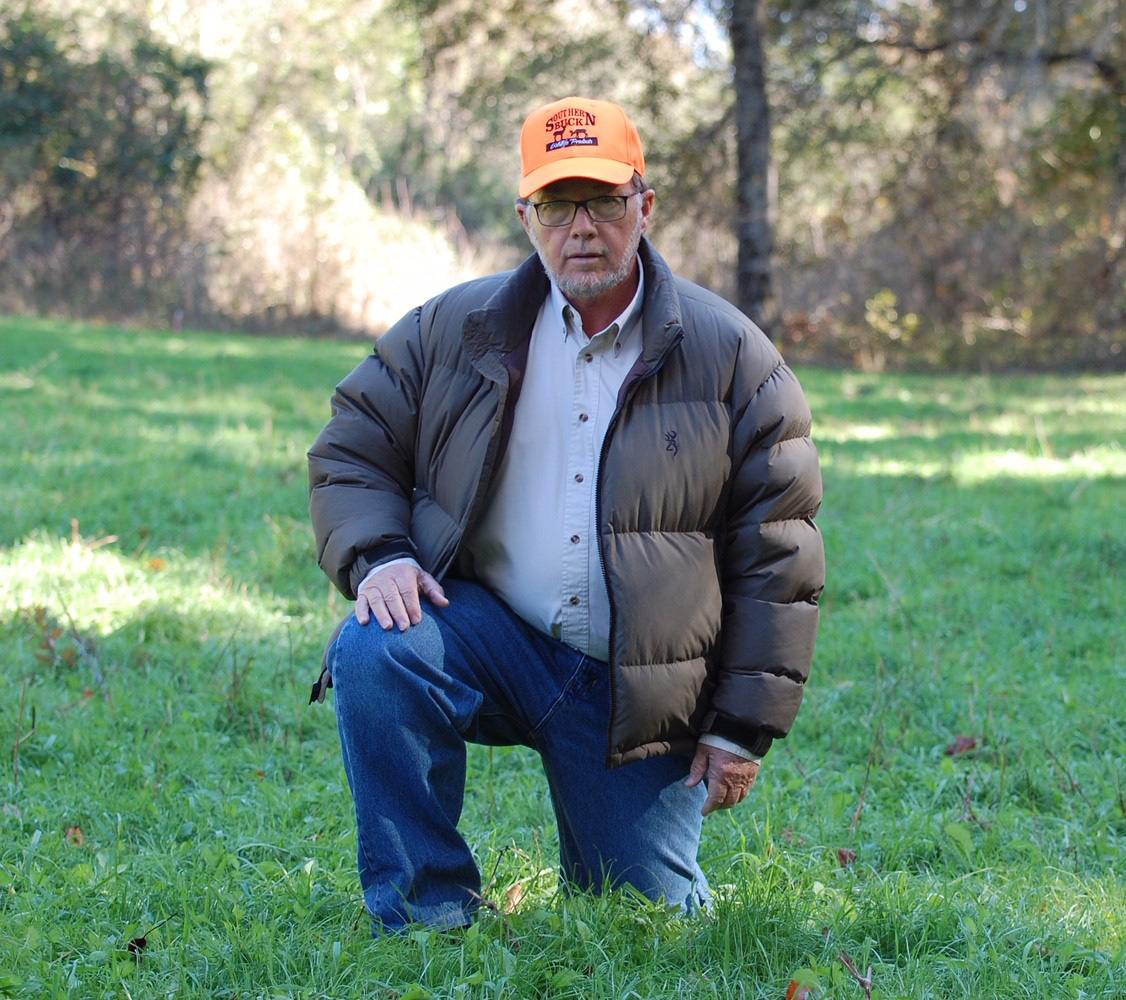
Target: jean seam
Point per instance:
(564, 691)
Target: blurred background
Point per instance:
(909, 183)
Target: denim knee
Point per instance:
(363, 652)
(386, 659)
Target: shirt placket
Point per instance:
(582, 456)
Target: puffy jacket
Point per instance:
(713, 563)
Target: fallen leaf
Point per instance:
(961, 744)
(845, 856)
(74, 836)
(136, 946)
(513, 897)
(156, 564)
(796, 992)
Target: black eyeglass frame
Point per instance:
(621, 199)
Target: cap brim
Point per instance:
(588, 167)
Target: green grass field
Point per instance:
(162, 778)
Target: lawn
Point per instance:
(950, 809)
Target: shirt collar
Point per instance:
(626, 321)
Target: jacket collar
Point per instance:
(505, 321)
(661, 316)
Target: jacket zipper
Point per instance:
(645, 376)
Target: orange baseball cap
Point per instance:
(578, 137)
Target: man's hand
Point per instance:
(391, 595)
(728, 777)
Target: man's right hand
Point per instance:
(391, 595)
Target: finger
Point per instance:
(698, 769)
(433, 590)
(714, 801)
(727, 797)
(362, 607)
(408, 594)
(379, 609)
(397, 610)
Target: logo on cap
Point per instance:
(575, 120)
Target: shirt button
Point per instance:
(578, 477)
(584, 417)
(588, 357)
(574, 600)
(574, 539)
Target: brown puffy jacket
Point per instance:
(712, 560)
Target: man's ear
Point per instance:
(522, 208)
(648, 197)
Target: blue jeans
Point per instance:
(407, 703)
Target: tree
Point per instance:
(752, 131)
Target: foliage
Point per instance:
(174, 819)
(975, 154)
(358, 155)
(98, 156)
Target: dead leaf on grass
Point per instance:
(845, 856)
(961, 744)
(796, 992)
(514, 897)
(74, 836)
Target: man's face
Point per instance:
(587, 259)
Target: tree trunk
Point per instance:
(752, 131)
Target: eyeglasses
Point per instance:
(604, 208)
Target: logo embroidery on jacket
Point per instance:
(670, 443)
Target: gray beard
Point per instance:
(590, 286)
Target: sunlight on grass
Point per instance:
(100, 589)
(841, 433)
(1097, 462)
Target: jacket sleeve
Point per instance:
(361, 467)
(773, 565)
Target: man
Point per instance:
(573, 504)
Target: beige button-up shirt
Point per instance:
(537, 545)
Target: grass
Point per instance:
(174, 819)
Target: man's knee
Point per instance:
(365, 654)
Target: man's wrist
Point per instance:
(722, 743)
(390, 562)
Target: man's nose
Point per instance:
(582, 224)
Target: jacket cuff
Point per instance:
(755, 740)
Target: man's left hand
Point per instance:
(728, 777)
